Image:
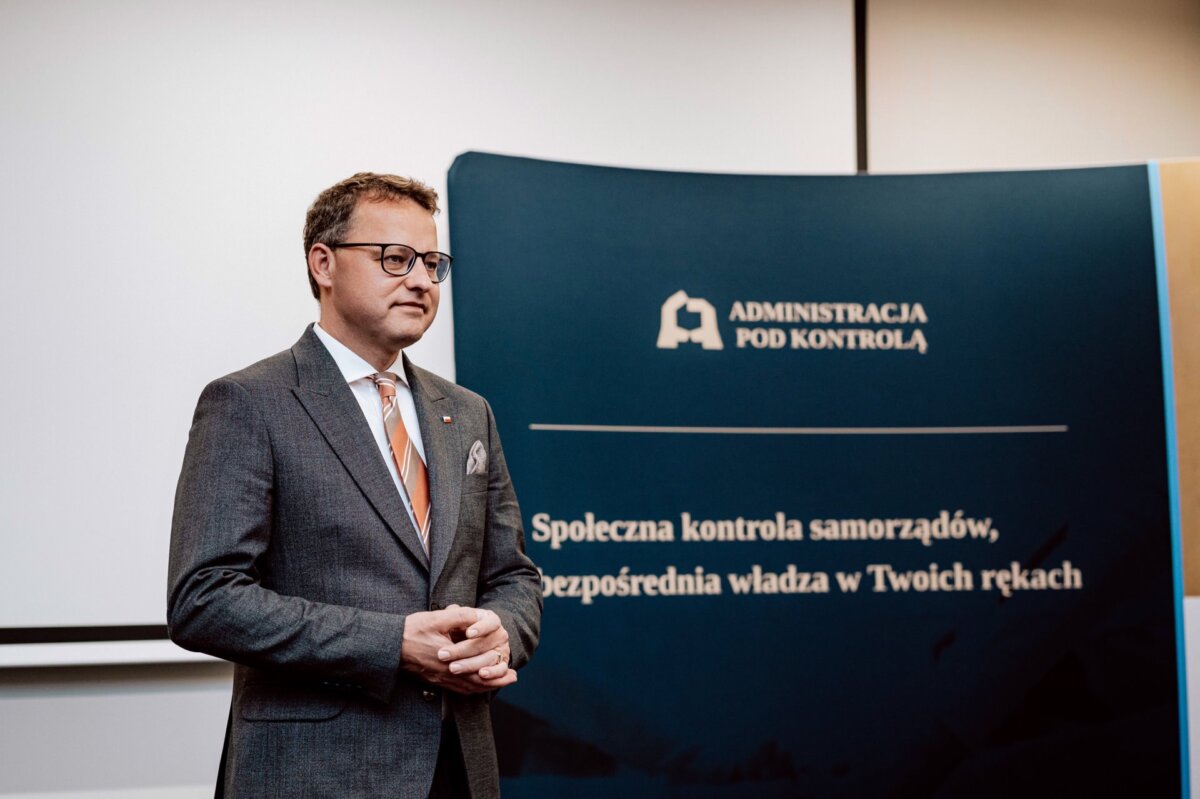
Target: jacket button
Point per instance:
(434, 606)
(428, 696)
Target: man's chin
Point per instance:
(407, 336)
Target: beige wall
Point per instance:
(983, 84)
(1181, 223)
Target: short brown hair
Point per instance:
(329, 215)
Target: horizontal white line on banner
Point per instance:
(801, 431)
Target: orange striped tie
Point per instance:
(412, 469)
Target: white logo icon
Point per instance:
(671, 335)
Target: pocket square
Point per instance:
(477, 460)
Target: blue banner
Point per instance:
(840, 486)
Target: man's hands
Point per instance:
(460, 649)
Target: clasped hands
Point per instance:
(460, 649)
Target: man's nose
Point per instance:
(418, 278)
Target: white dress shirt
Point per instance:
(358, 375)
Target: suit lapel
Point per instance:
(442, 447)
(330, 402)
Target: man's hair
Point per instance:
(329, 216)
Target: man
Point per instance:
(346, 532)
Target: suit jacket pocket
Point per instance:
(474, 483)
(268, 702)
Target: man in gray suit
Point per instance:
(346, 532)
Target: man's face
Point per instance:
(373, 309)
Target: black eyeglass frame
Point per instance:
(411, 263)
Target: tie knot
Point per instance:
(386, 383)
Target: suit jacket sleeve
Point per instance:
(222, 524)
(509, 583)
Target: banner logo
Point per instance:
(789, 325)
(671, 335)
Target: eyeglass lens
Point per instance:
(397, 259)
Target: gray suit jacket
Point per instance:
(292, 555)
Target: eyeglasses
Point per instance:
(398, 259)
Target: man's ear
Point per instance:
(321, 266)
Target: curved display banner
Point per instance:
(840, 486)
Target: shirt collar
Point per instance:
(351, 364)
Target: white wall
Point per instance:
(115, 729)
(158, 159)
